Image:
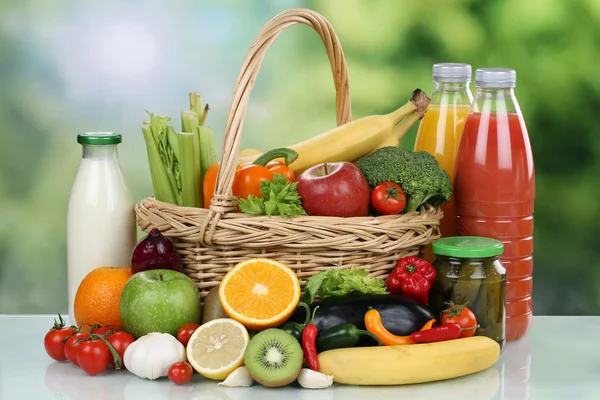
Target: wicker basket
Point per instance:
(211, 241)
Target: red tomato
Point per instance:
(388, 198)
(92, 356)
(103, 330)
(72, 346)
(462, 316)
(54, 341)
(119, 341)
(180, 373)
(185, 332)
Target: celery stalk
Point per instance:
(158, 173)
(203, 115)
(189, 161)
(196, 106)
(175, 162)
(189, 121)
(196, 103)
(166, 143)
(208, 155)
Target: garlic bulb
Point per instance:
(240, 377)
(152, 355)
(314, 380)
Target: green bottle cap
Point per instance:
(467, 247)
(99, 138)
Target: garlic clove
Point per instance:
(240, 377)
(310, 379)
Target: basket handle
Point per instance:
(223, 200)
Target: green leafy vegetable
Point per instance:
(279, 197)
(340, 282)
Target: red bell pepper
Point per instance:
(412, 277)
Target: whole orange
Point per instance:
(98, 297)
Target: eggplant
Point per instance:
(399, 315)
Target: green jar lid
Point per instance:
(99, 138)
(467, 247)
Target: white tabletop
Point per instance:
(559, 359)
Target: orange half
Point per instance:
(260, 293)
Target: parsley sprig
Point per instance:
(279, 197)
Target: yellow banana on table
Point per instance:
(408, 364)
(355, 139)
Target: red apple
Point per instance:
(337, 189)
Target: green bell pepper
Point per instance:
(341, 336)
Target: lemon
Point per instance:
(217, 348)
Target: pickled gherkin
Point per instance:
(468, 271)
(490, 301)
(467, 285)
(444, 272)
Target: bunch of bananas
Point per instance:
(355, 139)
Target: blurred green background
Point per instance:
(72, 66)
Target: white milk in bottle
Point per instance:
(101, 219)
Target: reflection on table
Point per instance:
(509, 379)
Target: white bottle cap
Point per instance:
(451, 72)
(502, 78)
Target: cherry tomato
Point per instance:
(280, 168)
(103, 330)
(119, 341)
(185, 332)
(92, 356)
(54, 341)
(388, 198)
(180, 373)
(247, 180)
(462, 316)
(72, 346)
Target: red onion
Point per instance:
(154, 252)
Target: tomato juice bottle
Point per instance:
(495, 187)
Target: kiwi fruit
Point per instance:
(273, 358)
(212, 308)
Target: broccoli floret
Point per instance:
(418, 173)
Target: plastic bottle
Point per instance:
(441, 127)
(495, 187)
(100, 219)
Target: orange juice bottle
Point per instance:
(441, 127)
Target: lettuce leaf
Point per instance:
(340, 282)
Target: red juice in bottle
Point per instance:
(495, 187)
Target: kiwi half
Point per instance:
(273, 358)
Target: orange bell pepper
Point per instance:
(249, 175)
(374, 325)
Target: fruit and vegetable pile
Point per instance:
(258, 326)
(354, 170)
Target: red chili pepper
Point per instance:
(439, 334)
(412, 277)
(309, 346)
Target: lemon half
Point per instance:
(217, 348)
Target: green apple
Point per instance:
(159, 300)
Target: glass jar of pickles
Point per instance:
(469, 272)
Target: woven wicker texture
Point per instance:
(211, 241)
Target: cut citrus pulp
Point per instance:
(217, 348)
(260, 293)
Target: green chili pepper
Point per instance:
(341, 336)
(295, 329)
